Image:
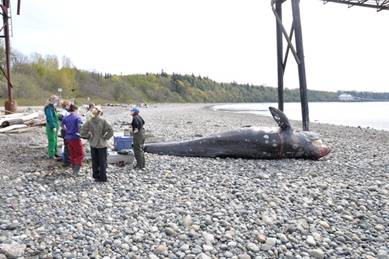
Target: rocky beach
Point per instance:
(180, 207)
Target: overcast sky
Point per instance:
(226, 40)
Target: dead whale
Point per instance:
(249, 143)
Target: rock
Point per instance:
(316, 253)
(203, 256)
(229, 234)
(282, 237)
(261, 238)
(252, 247)
(170, 231)
(13, 250)
(267, 219)
(311, 241)
(196, 250)
(244, 256)
(161, 249)
(184, 247)
(382, 254)
(316, 236)
(187, 221)
(153, 256)
(208, 238)
(117, 243)
(231, 244)
(271, 241)
(11, 226)
(348, 217)
(302, 225)
(125, 247)
(207, 248)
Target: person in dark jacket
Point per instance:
(52, 125)
(139, 138)
(72, 124)
(98, 131)
(65, 106)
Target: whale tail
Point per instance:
(280, 118)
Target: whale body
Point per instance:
(249, 143)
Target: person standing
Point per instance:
(89, 114)
(139, 138)
(52, 124)
(64, 112)
(98, 131)
(72, 124)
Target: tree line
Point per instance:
(36, 76)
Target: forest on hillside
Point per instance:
(35, 77)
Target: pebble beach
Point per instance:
(181, 207)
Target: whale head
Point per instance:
(306, 144)
(313, 145)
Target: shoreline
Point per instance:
(181, 207)
(380, 123)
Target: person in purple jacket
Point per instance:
(72, 124)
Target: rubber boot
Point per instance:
(76, 169)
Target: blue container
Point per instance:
(122, 142)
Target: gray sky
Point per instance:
(226, 40)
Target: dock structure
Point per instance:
(378, 4)
(297, 49)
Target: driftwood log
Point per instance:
(18, 118)
(13, 127)
(19, 122)
(11, 122)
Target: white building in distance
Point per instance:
(346, 97)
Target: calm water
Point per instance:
(364, 114)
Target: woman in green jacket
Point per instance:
(52, 124)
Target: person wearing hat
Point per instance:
(139, 138)
(52, 125)
(98, 131)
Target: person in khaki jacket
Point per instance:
(97, 130)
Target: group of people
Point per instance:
(95, 129)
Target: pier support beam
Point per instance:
(280, 57)
(297, 52)
(301, 65)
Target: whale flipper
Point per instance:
(280, 118)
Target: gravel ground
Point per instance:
(198, 207)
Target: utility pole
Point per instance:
(10, 105)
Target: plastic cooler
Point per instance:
(122, 142)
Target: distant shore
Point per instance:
(364, 114)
